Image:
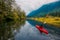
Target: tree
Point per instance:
(55, 13)
(10, 19)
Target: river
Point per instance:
(29, 32)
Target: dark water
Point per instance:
(29, 32)
(48, 27)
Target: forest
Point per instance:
(11, 18)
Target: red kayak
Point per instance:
(41, 29)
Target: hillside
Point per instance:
(54, 13)
(44, 9)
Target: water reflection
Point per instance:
(29, 32)
(9, 30)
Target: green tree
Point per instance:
(10, 19)
(55, 13)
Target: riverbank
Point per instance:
(54, 21)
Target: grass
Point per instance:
(55, 21)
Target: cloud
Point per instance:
(29, 5)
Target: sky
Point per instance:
(30, 5)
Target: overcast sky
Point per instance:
(30, 5)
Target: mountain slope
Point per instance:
(45, 9)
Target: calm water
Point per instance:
(29, 32)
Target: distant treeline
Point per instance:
(55, 13)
